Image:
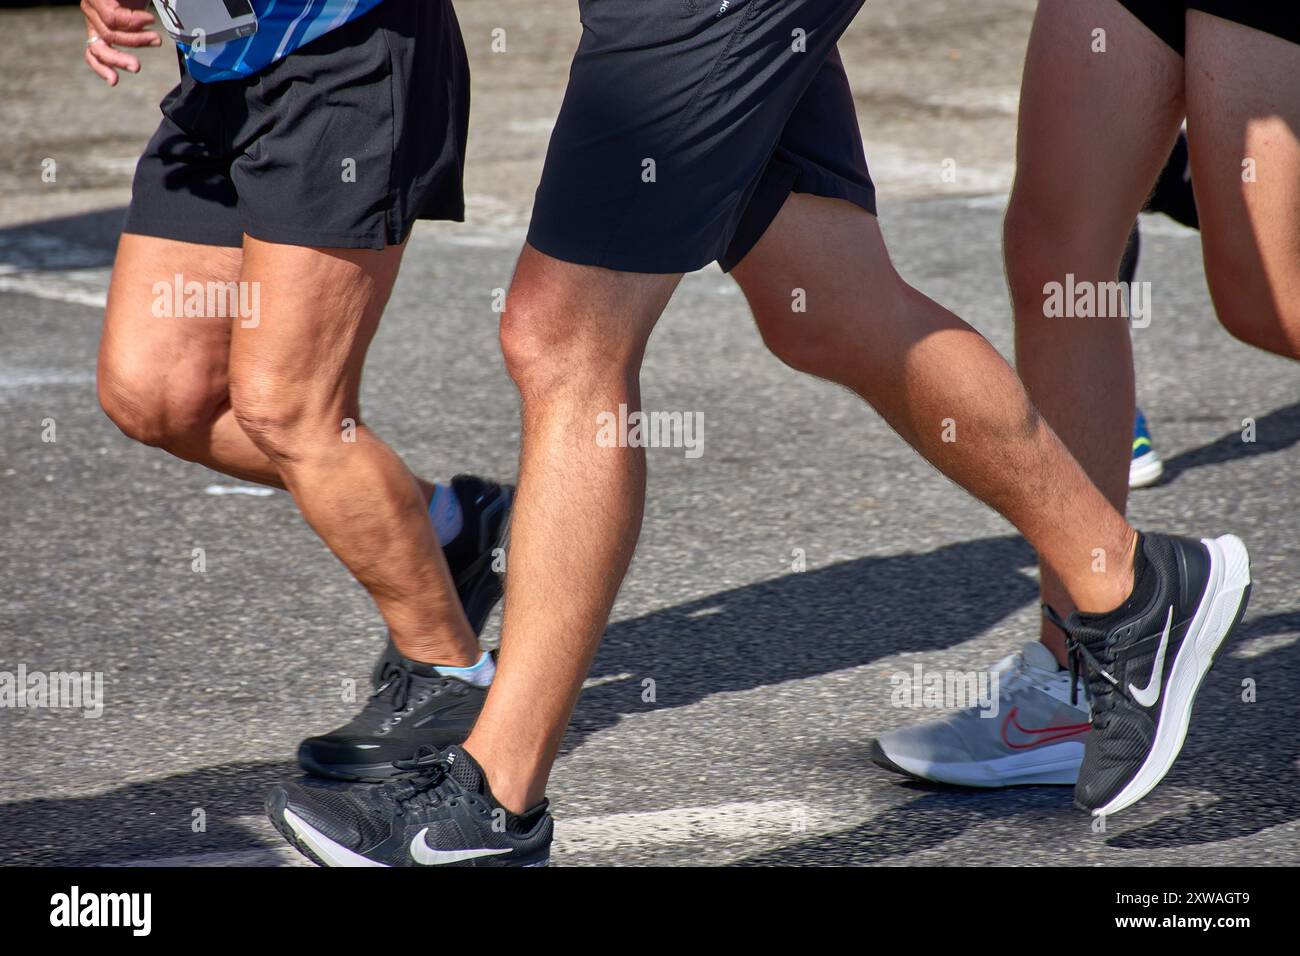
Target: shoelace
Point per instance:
(419, 778)
(1098, 685)
(394, 681)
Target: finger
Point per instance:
(95, 27)
(118, 38)
(117, 17)
(106, 55)
(109, 76)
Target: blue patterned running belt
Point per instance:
(282, 27)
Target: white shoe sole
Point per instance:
(330, 853)
(1145, 470)
(1051, 764)
(1219, 609)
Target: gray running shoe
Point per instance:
(1037, 736)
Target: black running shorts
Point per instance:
(1167, 19)
(687, 124)
(343, 143)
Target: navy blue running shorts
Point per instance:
(1167, 19)
(688, 123)
(343, 143)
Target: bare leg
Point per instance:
(165, 380)
(1243, 121)
(573, 338)
(936, 381)
(1083, 171)
(574, 343)
(294, 382)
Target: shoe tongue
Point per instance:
(464, 769)
(1036, 654)
(419, 669)
(1088, 633)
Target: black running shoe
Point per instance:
(471, 556)
(414, 707)
(439, 812)
(1144, 662)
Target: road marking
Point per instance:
(239, 490)
(57, 287)
(27, 378)
(727, 821)
(591, 682)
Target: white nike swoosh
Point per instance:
(425, 855)
(1147, 696)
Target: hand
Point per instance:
(113, 23)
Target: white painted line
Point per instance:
(254, 490)
(28, 378)
(49, 285)
(727, 821)
(1259, 646)
(607, 679)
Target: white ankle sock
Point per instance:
(480, 674)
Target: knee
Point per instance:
(551, 343)
(151, 408)
(1249, 310)
(1029, 236)
(275, 417)
(827, 340)
(799, 340)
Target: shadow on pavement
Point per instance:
(84, 241)
(793, 627)
(796, 626)
(1276, 431)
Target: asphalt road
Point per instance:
(768, 684)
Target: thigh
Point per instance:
(1095, 126)
(317, 310)
(830, 250)
(1243, 126)
(166, 338)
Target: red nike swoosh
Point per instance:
(1041, 735)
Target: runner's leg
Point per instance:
(1243, 121)
(921, 367)
(573, 337)
(165, 381)
(1083, 170)
(294, 381)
